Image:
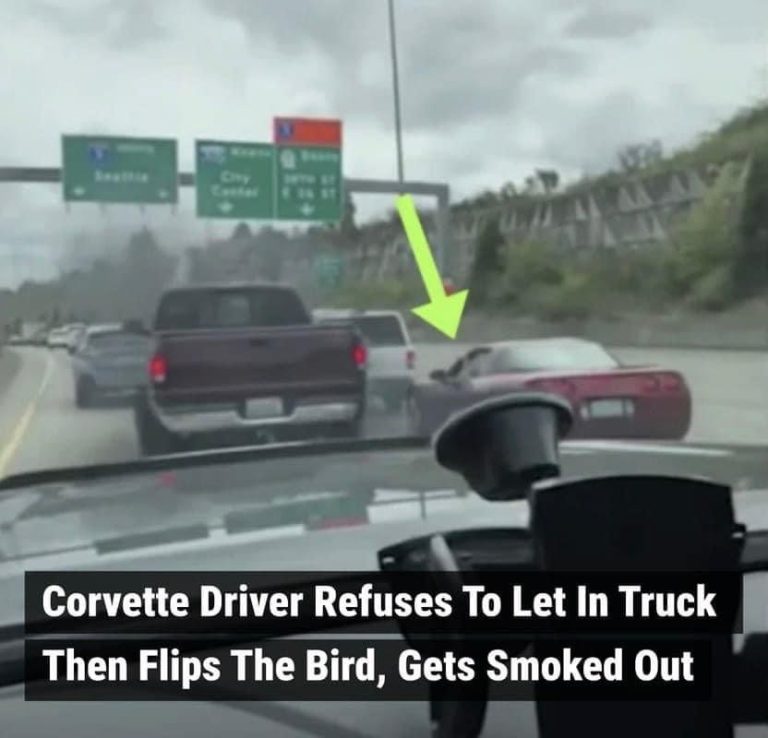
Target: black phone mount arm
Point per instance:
(504, 447)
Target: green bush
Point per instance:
(750, 270)
(707, 240)
(488, 262)
(714, 291)
(385, 294)
(572, 299)
(529, 265)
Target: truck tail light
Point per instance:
(359, 355)
(158, 368)
(410, 359)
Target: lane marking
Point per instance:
(20, 429)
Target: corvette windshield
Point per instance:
(535, 357)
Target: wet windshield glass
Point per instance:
(604, 217)
(206, 253)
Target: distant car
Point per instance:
(75, 336)
(609, 400)
(39, 338)
(110, 360)
(58, 338)
(391, 356)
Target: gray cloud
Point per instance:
(603, 22)
(68, 19)
(120, 25)
(137, 25)
(490, 90)
(458, 61)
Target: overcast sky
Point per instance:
(491, 89)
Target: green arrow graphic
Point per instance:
(442, 311)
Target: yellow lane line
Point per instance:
(13, 444)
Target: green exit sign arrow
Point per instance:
(234, 180)
(112, 169)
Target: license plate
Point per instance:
(265, 407)
(599, 409)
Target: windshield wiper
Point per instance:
(209, 458)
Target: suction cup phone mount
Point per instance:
(503, 446)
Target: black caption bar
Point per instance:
(384, 670)
(270, 604)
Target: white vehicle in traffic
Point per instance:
(75, 336)
(58, 338)
(391, 356)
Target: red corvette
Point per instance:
(609, 400)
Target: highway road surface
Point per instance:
(40, 427)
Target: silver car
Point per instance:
(110, 360)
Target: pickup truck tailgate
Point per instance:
(233, 365)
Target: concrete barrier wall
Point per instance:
(744, 330)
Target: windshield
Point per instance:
(628, 244)
(473, 200)
(553, 356)
(381, 331)
(230, 309)
(117, 342)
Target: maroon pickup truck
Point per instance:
(246, 362)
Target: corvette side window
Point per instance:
(498, 363)
(455, 371)
(478, 363)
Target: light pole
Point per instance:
(396, 90)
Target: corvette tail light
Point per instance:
(158, 368)
(667, 382)
(651, 384)
(671, 382)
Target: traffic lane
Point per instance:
(60, 434)
(729, 388)
(19, 398)
(9, 367)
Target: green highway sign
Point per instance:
(111, 169)
(234, 180)
(329, 270)
(309, 183)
